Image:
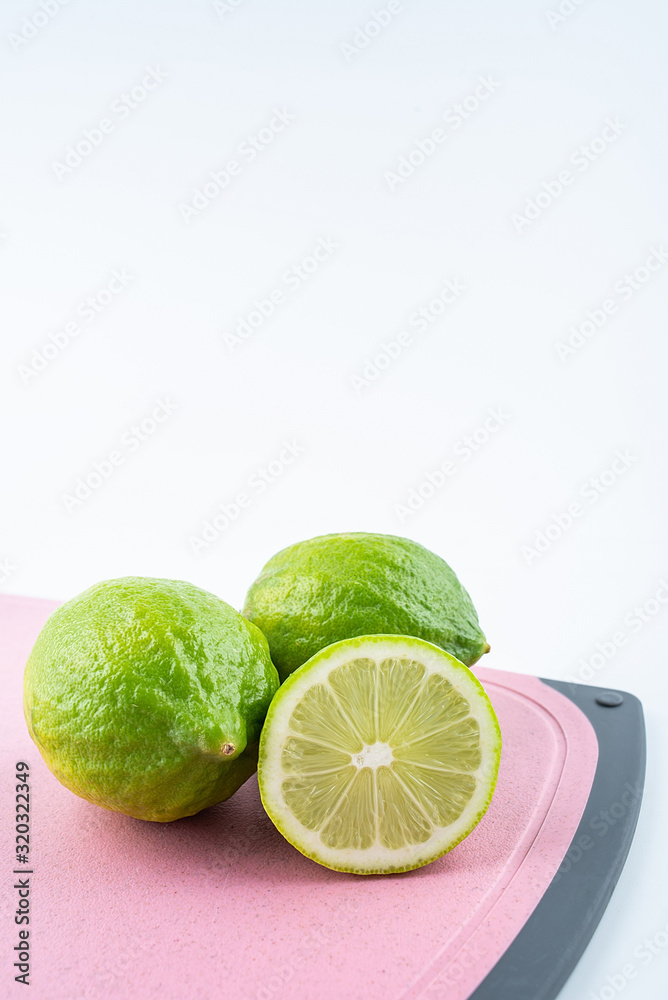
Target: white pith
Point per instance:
(373, 755)
(377, 755)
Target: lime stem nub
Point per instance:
(228, 749)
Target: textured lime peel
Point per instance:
(336, 587)
(147, 697)
(379, 755)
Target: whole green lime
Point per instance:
(337, 587)
(147, 697)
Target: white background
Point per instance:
(356, 112)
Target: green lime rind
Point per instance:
(147, 697)
(276, 731)
(340, 586)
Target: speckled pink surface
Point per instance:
(220, 907)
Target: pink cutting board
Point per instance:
(220, 907)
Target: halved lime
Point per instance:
(380, 754)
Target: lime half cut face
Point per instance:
(379, 754)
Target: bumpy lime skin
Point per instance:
(147, 697)
(340, 586)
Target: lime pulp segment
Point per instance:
(381, 754)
